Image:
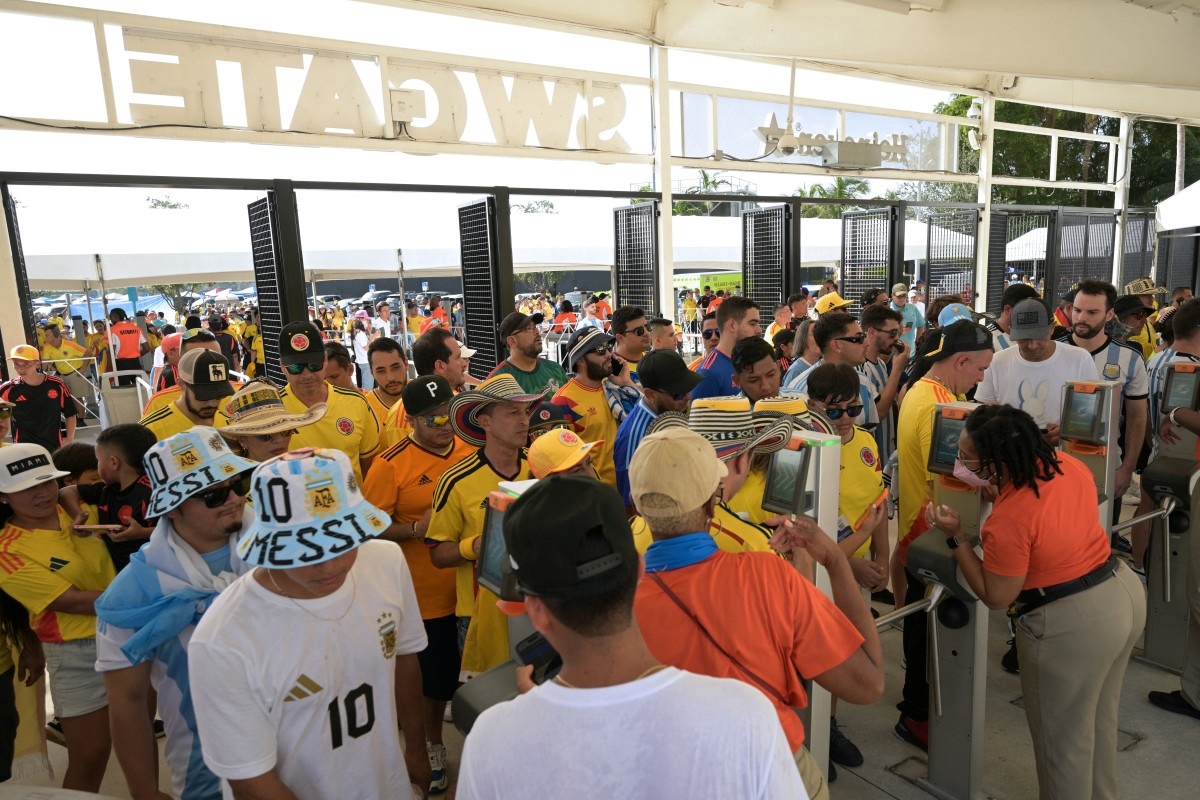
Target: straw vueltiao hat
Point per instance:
(257, 410)
(728, 424)
(465, 408)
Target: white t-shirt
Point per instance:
(671, 734)
(360, 347)
(295, 686)
(1035, 387)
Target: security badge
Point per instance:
(1111, 371)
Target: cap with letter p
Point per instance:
(309, 510)
(425, 393)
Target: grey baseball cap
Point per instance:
(1030, 320)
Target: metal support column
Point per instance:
(1121, 197)
(986, 120)
(662, 173)
(16, 318)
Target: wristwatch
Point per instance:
(952, 542)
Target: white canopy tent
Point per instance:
(1181, 210)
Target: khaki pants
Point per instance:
(1073, 656)
(811, 775)
(1190, 680)
(79, 388)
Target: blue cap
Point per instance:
(953, 313)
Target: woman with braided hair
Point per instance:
(1078, 609)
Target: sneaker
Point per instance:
(54, 732)
(1008, 661)
(439, 781)
(1133, 495)
(1121, 545)
(842, 750)
(1140, 572)
(832, 776)
(913, 731)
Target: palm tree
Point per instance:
(841, 188)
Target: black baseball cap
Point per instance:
(960, 337)
(206, 373)
(301, 343)
(425, 393)
(665, 371)
(516, 321)
(1128, 304)
(590, 535)
(547, 415)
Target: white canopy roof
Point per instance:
(1133, 56)
(1180, 211)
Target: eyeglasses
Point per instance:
(836, 413)
(216, 496)
(191, 333)
(857, 338)
(5, 412)
(298, 369)
(711, 334)
(675, 397)
(638, 331)
(438, 421)
(964, 461)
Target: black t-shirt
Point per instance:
(120, 507)
(227, 345)
(39, 410)
(703, 301)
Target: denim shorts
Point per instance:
(75, 686)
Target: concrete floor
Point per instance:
(1158, 757)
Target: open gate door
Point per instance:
(767, 255)
(635, 259)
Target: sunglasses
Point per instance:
(5, 412)
(638, 331)
(216, 497)
(439, 421)
(603, 350)
(191, 333)
(711, 334)
(270, 437)
(836, 413)
(298, 369)
(857, 338)
(889, 332)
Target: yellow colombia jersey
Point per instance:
(36, 567)
(747, 503)
(381, 409)
(401, 482)
(349, 425)
(588, 409)
(396, 425)
(861, 483)
(65, 356)
(732, 533)
(168, 420)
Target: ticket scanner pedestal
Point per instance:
(1090, 423)
(958, 626)
(1173, 475)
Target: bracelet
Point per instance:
(1171, 416)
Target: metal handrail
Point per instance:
(928, 605)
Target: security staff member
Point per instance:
(127, 343)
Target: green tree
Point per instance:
(840, 189)
(541, 206)
(180, 295)
(165, 202)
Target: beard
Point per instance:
(597, 372)
(534, 350)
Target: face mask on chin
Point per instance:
(969, 478)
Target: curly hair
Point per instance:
(1009, 438)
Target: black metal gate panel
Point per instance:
(1178, 259)
(766, 252)
(635, 258)
(483, 306)
(22, 276)
(1085, 249)
(950, 254)
(271, 281)
(868, 258)
(1139, 245)
(1023, 243)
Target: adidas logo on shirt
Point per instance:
(305, 687)
(424, 481)
(57, 563)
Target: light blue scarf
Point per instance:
(679, 551)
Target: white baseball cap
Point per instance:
(23, 466)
